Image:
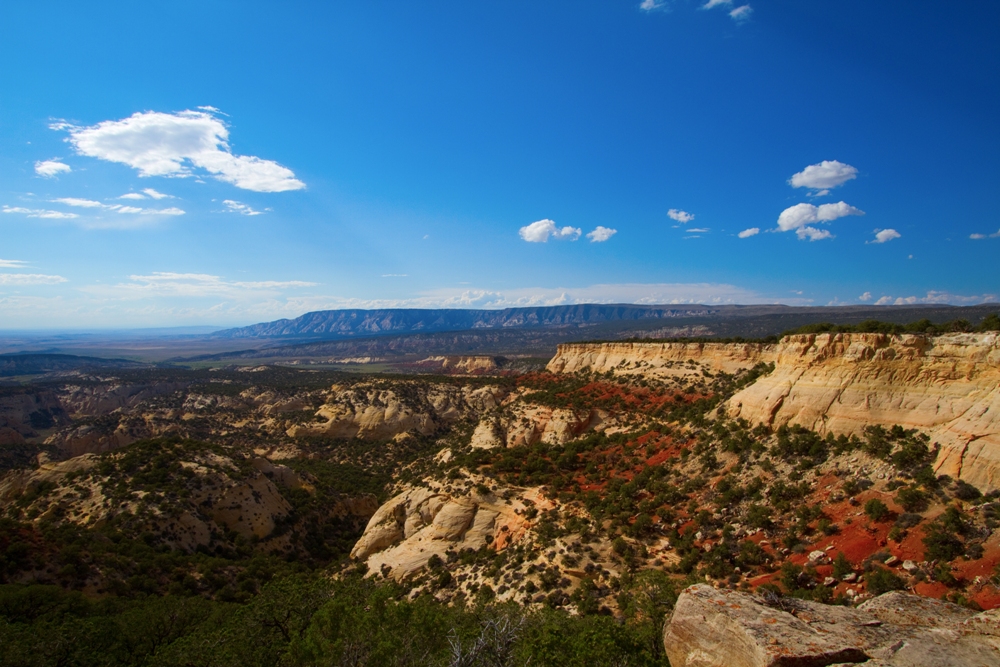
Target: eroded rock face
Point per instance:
(380, 410)
(658, 359)
(722, 628)
(947, 386)
(426, 521)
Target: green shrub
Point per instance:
(876, 510)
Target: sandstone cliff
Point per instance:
(659, 359)
(947, 386)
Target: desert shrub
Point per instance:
(881, 580)
(912, 499)
(876, 510)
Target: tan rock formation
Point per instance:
(377, 410)
(722, 628)
(658, 359)
(947, 386)
(425, 521)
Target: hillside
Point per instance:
(946, 386)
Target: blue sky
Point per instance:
(223, 163)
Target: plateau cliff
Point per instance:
(947, 386)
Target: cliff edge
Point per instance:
(947, 386)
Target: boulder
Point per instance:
(722, 628)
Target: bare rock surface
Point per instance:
(378, 410)
(723, 628)
(428, 520)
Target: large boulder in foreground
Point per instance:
(722, 628)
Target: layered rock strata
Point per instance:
(947, 386)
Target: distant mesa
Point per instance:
(355, 322)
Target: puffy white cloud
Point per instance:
(40, 213)
(51, 168)
(239, 207)
(680, 216)
(978, 237)
(717, 3)
(29, 279)
(813, 234)
(747, 233)
(80, 203)
(132, 195)
(173, 144)
(153, 194)
(601, 234)
(650, 5)
(800, 216)
(867, 296)
(542, 230)
(741, 14)
(824, 176)
(885, 235)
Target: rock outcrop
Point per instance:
(722, 628)
(947, 386)
(382, 410)
(659, 359)
(427, 521)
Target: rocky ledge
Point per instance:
(723, 628)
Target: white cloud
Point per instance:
(542, 230)
(132, 195)
(29, 279)
(823, 177)
(813, 234)
(741, 13)
(12, 264)
(650, 5)
(747, 233)
(601, 234)
(40, 213)
(156, 195)
(867, 296)
(717, 3)
(174, 144)
(798, 218)
(680, 216)
(697, 230)
(938, 297)
(239, 207)
(885, 235)
(978, 237)
(51, 168)
(81, 203)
